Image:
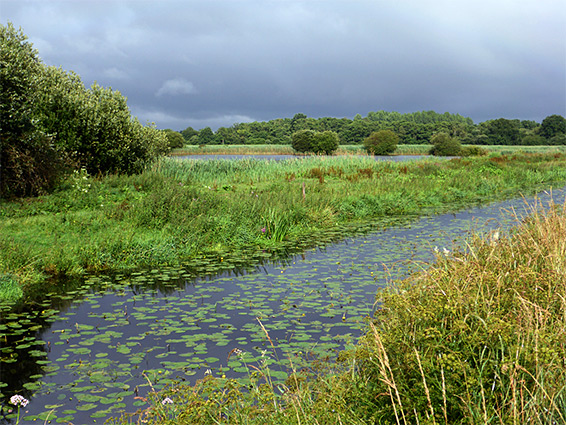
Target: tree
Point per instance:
(174, 138)
(188, 132)
(50, 119)
(303, 141)
(382, 142)
(205, 136)
(445, 145)
(325, 142)
(29, 161)
(503, 132)
(553, 125)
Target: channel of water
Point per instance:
(90, 354)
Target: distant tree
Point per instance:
(503, 132)
(174, 139)
(325, 142)
(298, 122)
(382, 142)
(188, 132)
(445, 145)
(303, 141)
(533, 140)
(553, 125)
(205, 136)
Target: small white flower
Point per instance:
(445, 251)
(18, 400)
(208, 372)
(167, 400)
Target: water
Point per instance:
(87, 355)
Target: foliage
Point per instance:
(444, 145)
(502, 132)
(95, 126)
(205, 136)
(383, 142)
(303, 141)
(189, 132)
(553, 125)
(325, 142)
(473, 151)
(174, 139)
(30, 164)
(475, 339)
(49, 119)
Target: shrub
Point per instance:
(30, 164)
(444, 145)
(473, 151)
(303, 141)
(325, 142)
(174, 139)
(382, 142)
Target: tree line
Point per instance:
(411, 128)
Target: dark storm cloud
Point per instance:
(214, 63)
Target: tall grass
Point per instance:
(477, 338)
(422, 149)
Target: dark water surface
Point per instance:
(87, 355)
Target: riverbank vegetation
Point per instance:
(345, 149)
(476, 338)
(163, 215)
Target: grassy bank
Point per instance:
(477, 338)
(185, 212)
(345, 149)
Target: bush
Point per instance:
(444, 145)
(30, 164)
(382, 142)
(50, 119)
(303, 141)
(473, 151)
(174, 139)
(325, 142)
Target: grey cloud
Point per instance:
(260, 60)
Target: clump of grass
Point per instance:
(478, 338)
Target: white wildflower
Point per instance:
(18, 400)
(167, 400)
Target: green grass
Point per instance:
(179, 210)
(477, 338)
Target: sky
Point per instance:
(214, 63)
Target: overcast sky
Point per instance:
(217, 62)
